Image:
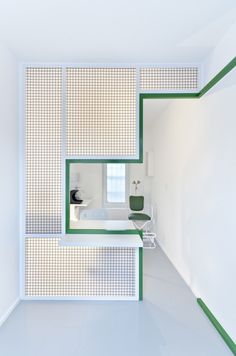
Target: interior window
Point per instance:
(115, 184)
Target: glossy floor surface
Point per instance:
(168, 322)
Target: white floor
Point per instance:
(168, 322)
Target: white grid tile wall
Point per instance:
(101, 121)
(101, 112)
(185, 78)
(52, 270)
(43, 150)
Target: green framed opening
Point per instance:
(68, 229)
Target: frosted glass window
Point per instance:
(116, 183)
(101, 112)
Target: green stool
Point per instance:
(136, 204)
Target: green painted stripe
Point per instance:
(140, 130)
(140, 268)
(218, 77)
(67, 195)
(169, 96)
(67, 208)
(99, 160)
(140, 273)
(230, 343)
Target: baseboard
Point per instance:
(6, 315)
(225, 336)
(229, 342)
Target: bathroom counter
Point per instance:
(108, 258)
(110, 225)
(102, 240)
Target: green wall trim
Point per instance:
(140, 273)
(67, 209)
(102, 160)
(140, 257)
(140, 130)
(230, 343)
(67, 188)
(169, 96)
(218, 77)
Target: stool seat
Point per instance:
(139, 216)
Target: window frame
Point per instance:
(107, 204)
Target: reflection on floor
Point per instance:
(168, 322)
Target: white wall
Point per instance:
(9, 186)
(139, 171)
(195, 192)
(222, 54)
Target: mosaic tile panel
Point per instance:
(43, 150)
(169, 78)
(101, 112)
(53, 270)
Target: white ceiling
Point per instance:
(106, 31)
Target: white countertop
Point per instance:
(102, 240)
(117, 225)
